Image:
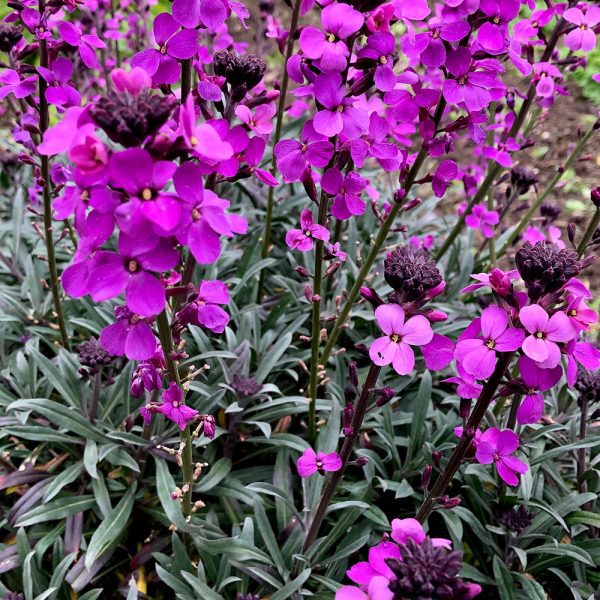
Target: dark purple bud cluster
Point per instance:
(427, 572)
(93, 356)
(545, 268)
(245, 386)
(522, 179)
(515, 520)
(411, 273)
(9, 36)
(240, 70)
(130, 120)
(588, 386)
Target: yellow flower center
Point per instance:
(133, 265)
(395, 338)
(195, 214)
(340, 108)
(331, 37)
(163, 49)
(490, 344)
(193, 140)
(175, 404)
(572, 313)
(147, 194)
(85, 195)
(539, 335)
(383, 60)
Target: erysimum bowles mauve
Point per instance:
(496, 447)
(346, 192)
(339, 22)
(130, 336)
(544, 334)
(478, 355)
(535, 380)
(395, 347)
(310, 462)
(174, 408)
(303, 239)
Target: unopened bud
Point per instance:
(595, 196)
(449, 503)
(426, 476)
(411, 204)
(384, 395)
(371, 296)
(308, 292)
(353, 373)
(332, 268)
(437, 458)
(464, 408)
(309, 185)
(362, 349)
(399, 195)
(361, 461)
(571, 231)
(302, 271)
(348, 415)
(437, 316)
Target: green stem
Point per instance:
(347, 446)
(378, 243)
(486, 396)
(166, 341)
(581, 456)
(285, 80)
(495, 169)
(45, 171)
(315, 340)
(548, 189)
(492, 240)
(95, 397)
(589, 232)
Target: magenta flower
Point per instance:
(303, 239)
(294, 156)
(253, 155)
(536, 380)
(363, 572)
(379, 51)
(310, 462)
(339, 22)
(173, 45)
(337, 114)
(129, 271)
(483, 219)
(584, 353)
(135, 172)
(410, 529)
(478, 355)
(466, 385)
(496, 447)
(174, 408)
(130, 336)
(204, 218)
(545, 332)
(345, 191)
(429, 47)
(395, 346)
(373, 144)
(191, 13)
(493, 34)
(545, 73)
(497, 280)
(87, 43)
(261, 121)
(36, 23)
(472, 81)
(438, 353)
(582, 37)
(580, 314)
(446, 172)
(12, 84)
(132, 82)
(500, 152)
(203, 139)
(204, 310)
(57, 77)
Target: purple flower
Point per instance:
(582, 37)
(496, 447)
(497, 280)
(174, 408)
(253, 155)
(544, 333)
(339, 22)
(501, 152)
(12, 84)
(338, 114)
(310, 462)
(57, 77)
(466, 385)
(135, 172)
(395, 346)
(483, 219)
(472, 81)
(404, 530)
(203, 218)
(372, 144)
(380, 49)
(429, 47)
(261, 121)
(303, 239)
(205, 311)
(478, 355)
(133, 82)
(345, 191)
(173, 45)
(36, 23)
(294, 156)
(438, 353)
(585, 354)
(211, 13)
(580, 314)
(87, 43)
(536, 380)
(203, 139)
(493, 34)
(446, 172)
(129, 271)
(147, 376)
(130, 336)
(363, 572)
(545, 73)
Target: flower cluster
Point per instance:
(408, 564)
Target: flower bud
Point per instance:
(308, 292)
(426, 476)
(411, 204)
(361, 461)
(595, 196)
(371, 295)
(302, 271)
(309, 185)
(571, 231)
(464, 408)
(362, 349)
(353, 373)
(437, 458)
(348, 415)
(384, 395)
(332, 268)
(436, 316)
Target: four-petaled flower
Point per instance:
(535, 380)
(395, 346)
(496, 447)
(310, 462)
(303, 239)
(345, 191)
(582, 37)
(174, 408)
